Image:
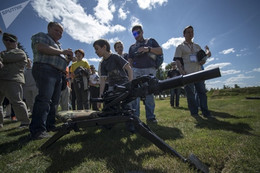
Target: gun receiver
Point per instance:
(147, 84)
(114, 110)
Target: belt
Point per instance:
(50, 66)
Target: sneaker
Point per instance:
(40, 135)
(152, 120)
(24, 126)
(13, 118)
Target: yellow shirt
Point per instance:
(82, 63)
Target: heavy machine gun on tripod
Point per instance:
(114, 111)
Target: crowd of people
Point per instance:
(57, 77)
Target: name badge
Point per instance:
(193, 58)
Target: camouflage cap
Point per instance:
(10, 36)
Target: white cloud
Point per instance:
(77, 23)
(228, 72)
(134, 21)
(211, 42)
(113, 40)
(239, 79)
(213, 84)
(244, 49)
(173, 42)
(149, 4)
(209, 60)
(122, 14)
(220, 65)
(104, 11)
(227, 51)
(94, 59)
(256, 69)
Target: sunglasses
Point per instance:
(10, 40)
(136, 33)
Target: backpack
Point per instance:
(158, 60)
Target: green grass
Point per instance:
(228, 143)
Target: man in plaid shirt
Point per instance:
(49, 64)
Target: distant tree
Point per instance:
(236, 86)
(160, 73)
(226, 87)
(168, 67)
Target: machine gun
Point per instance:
(114, 110)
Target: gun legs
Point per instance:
(140, 127)
(147, 133)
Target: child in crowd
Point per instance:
(115, 69)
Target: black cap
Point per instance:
(10, 36)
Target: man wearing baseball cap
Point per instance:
(12, 77)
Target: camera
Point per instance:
(138, 53)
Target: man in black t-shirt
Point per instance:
(174, 91)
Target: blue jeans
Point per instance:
(175, 93)
(48, 80)
(199, 89)
(149, 99)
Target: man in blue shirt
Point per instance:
(142, 57)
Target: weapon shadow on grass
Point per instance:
(122, 151)
(216, 124)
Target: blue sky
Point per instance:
(231, 29)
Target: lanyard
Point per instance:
(190, 46)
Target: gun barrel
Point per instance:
(182, 80)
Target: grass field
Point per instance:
(230, 142)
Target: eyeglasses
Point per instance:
(136, 33)
(10, 40)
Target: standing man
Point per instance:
(50, 62)
(12, 63)
(142, 56)
(175, 92)
(187, 62)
